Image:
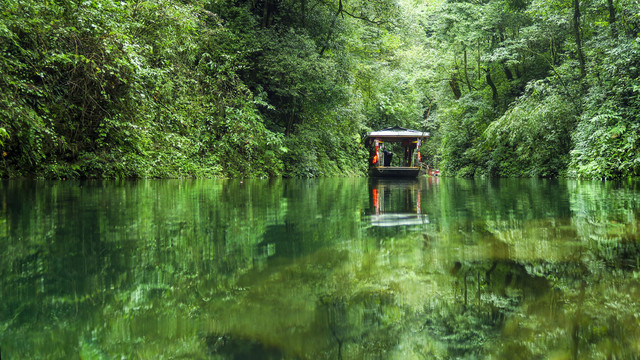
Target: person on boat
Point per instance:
(409, 146)
(388, 155)
(373, 156)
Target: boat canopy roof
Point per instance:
(396, 133)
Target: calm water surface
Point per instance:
(320, 269)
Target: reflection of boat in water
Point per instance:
(396, 203)
(386, 220)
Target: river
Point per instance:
(352, 268)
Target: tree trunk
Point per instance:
(576, 31)
(466, 69)
(455, 87)
(330, 32)
(612, 18)
(507, 72)
(303, 11)
(267, 13)
(479, 63)
(612, 12)
(494, 90)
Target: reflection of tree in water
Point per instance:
(337, 322)
(299, 278)
(485, 295)
(364, 323)
(228, 347)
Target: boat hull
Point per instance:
(395, 171)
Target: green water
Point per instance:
(320, 269)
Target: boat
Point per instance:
(384, 144)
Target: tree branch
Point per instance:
(381, 22)
(342, 11)
(330, 32)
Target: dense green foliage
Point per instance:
(104, 88)
(537, 87)
(169, 88)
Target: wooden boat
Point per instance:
(383, 142)
(394, 171)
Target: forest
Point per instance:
(265, 88)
